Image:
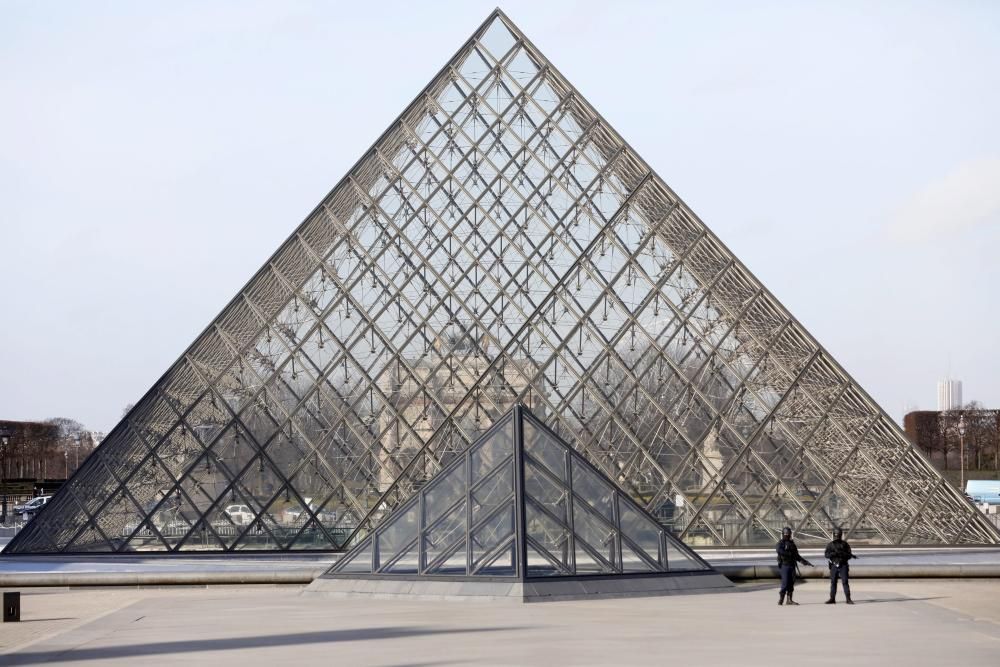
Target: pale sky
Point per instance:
(153, 155)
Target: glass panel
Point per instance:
(596, 533)
(497, 39)
(643, 532)
(545, 492)
(493, 492)
(361, 562)
(443, 536)
(443, 493)
(488, 454)
(493, 531)
(589, 486)
(543, 448)
(552, 536)
(395, 536)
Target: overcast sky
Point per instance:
(153, 155)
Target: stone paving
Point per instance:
(912, 622)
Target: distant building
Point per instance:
(31, 454)
(949, 395)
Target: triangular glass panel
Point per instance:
(599, 534)
(633, 562)
(545, 492)
(550, 537)
(453, 562)
(680, 558)
(502, 564)
(640, 529)
(445, 532)
(585, 562)
(493, 491)
(359, 561)
(540, 563)
(398, 534)
(493, 529)
(404, 563)
(502, 244)
(592, 489)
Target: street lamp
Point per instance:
(5, 433)
(77, 441)
(961, 450)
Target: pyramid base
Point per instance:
(535, 590)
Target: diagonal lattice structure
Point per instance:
(500, 243)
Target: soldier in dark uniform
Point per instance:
(839, 553)
(788, 558)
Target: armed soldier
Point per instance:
(788, 560)
(839, 553)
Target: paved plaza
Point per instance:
(913, 622)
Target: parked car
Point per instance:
(240, 514)
(31, 507)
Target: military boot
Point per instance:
(791, 601)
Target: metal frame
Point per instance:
(499, 244)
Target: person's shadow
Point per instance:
(179, 647)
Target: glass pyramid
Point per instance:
(519, 503)
(500, 243)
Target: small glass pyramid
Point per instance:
(521, 504)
